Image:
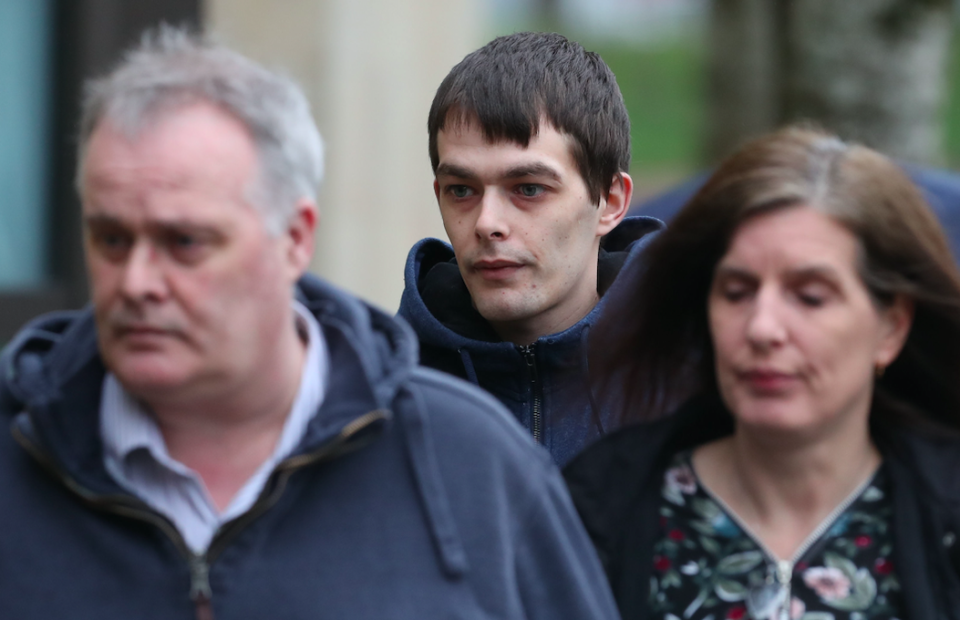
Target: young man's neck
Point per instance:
(525, 332)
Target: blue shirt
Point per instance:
(136, 455)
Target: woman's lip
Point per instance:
(768, 380)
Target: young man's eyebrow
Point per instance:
(531, 170)
(453, 170)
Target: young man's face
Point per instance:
(523, 228)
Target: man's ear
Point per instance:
(614, 208)
(436, 190)
(300, 233)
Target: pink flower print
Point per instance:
(830, 584)
(797, 608)
(681, 479)
(883, 566)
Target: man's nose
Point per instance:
(492, 220)
(766, 327)
(143, 276)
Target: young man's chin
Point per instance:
(507, 306)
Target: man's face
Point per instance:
(523, 228)
(191, 293)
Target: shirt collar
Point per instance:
(126, 425)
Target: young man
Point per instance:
(221, 436)
(530, 146)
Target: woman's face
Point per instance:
(796, 335)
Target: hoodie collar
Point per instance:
(53, 370)
(438, 305)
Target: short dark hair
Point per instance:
(653, 349)
(509, 84)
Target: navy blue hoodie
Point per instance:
(545, 385)
(412, 495)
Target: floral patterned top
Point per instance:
(708, 566)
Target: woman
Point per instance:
(803, 311)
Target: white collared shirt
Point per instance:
(136, 455)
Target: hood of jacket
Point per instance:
(438, 306)
(50, 351)
(544, 385)
(52, 378)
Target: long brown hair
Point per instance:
(652, 348)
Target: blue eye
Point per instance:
(460, 191)
(530, 190)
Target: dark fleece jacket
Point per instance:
(412, 495)
(544, 385)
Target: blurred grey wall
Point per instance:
(370, 70)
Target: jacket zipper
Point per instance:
(200, 591)
(530, 357)
(783, 569)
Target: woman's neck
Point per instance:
(783, 491)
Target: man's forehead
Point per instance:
(459, 120)
(194, 147)
(465, 146)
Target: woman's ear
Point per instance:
(897, 319)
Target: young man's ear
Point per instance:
(614, 207)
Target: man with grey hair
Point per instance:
(221, 436)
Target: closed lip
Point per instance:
(496, 264)
(499, 269)
(141, 330)
(767, 379)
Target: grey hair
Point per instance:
(171, 67)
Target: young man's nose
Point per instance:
(492, 220)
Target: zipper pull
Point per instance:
(530, 359)
(784, 572)
(200, 591)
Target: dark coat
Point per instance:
(616, 486)
(412, 495)
(544, 386)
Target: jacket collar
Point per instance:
(54, 375)
(460, 326)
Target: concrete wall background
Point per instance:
(370, 69)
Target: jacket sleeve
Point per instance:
(558, 572)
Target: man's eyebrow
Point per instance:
(101, 220)
(531, 170)
(453, 170)
(516, 172)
